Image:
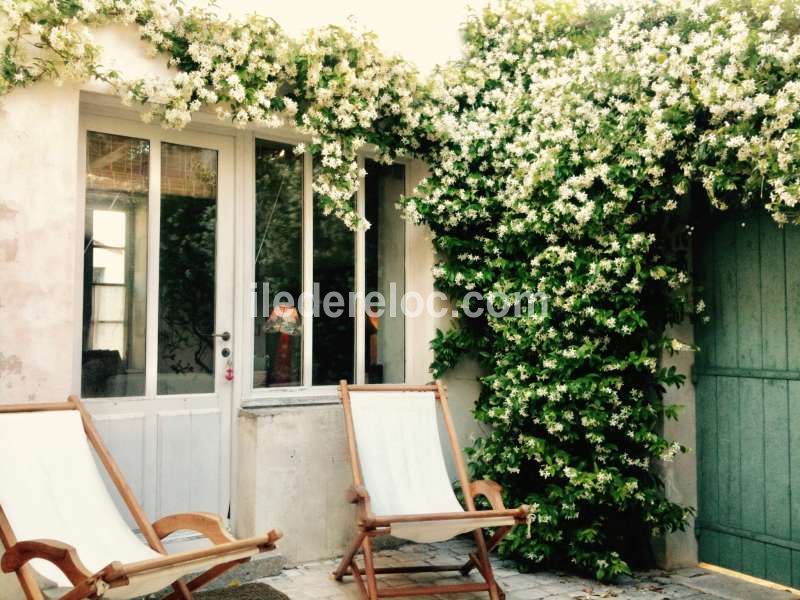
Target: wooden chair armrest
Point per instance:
(391, 520)
(208, 524)
(63, 556)
(491, 490)
(356, 494)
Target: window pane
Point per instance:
(109, 228)
(110, 303)
(334, 268)
(384, 344)
(186, 270)
(109, 263)
(115, 253)
(110, 335)
(278, 335)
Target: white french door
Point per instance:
(158, 308)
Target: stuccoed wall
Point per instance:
(680, 475)
(38, 242)
(293, 473)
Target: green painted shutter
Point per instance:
(747, 377)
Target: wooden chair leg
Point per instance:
(181, 591)
(485, 566)
(368, 590)
(362, 588)
(28, 583)
(369, 569)
(213, 573)
(347, 559)
(81, 592)
(491, 545)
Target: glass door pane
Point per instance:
(277, 343)
(186, 288)
(115, 266)
(334, 285)
(385, 273)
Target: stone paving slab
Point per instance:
(723, 586)
(313, 581)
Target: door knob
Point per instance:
(224, 336)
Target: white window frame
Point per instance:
(307, 392)
(96, 121)
(245, 395)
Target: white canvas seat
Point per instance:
(51, 489)
(403, 465)
(401, 486)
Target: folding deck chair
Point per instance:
(401, 486)
(63, 536)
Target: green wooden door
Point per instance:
(747, 378)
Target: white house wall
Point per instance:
(38, 237)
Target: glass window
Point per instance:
(277, 343)
(384, 266)
(334, 280)
(186, 288)
(280, 357)
(115, 266)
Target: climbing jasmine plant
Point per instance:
(333, 85)
(574, 139)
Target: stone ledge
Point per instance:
(260, 406)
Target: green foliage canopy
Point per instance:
(570, 140)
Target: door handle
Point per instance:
(224, 336)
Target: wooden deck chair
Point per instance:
(401, 486)
(61, 532)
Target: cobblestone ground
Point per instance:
(313, 581)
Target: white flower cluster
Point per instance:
(333, 85)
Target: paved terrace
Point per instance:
(313, 581)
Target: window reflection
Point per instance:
(278, 254)
(186, 287)
(277, 359)
(334, 270)
(115, 266)
(384, 346)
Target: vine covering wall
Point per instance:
(561, 148)
(571, 136)
(334, 84)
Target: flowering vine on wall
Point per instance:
(575, 138)
(334, 85)
(562, 148)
